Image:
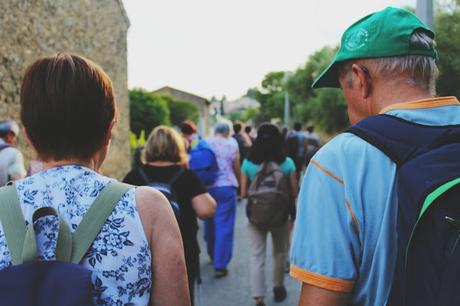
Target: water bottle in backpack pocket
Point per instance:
(269, 197)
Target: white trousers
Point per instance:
(258, 245)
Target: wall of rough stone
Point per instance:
(95, 29)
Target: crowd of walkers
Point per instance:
(72, 236)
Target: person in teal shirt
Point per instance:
(268, 147)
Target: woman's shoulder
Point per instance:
(288, 165)
(248, 163)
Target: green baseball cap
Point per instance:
(381, 34)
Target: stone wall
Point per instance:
(95, 29)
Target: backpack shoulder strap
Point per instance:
(13, 222)
(4, 146)
(143, 175)
(95, 217)
(399, 139)
(176, 176)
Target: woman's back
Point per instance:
(226, 151)
(120, 257)
(185, 186)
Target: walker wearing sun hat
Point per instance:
(385, 33)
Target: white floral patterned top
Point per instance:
(120, 257)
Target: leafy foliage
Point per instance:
(324, 107)
(181, 110)
(447, 26)
(135, 141)
(147, 111)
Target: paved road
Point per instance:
(234, 289)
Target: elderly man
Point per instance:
(344, 247)
(11, 160)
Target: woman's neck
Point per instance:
(162, 163)
(57, 163)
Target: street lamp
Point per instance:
(424, 11)
(286, 101)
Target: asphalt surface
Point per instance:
(234, 289)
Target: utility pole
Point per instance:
(425, 12)
(286, 101)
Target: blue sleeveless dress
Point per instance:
(120, 257)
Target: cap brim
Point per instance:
(329, 77)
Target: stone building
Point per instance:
(204, 125)
(94, 29)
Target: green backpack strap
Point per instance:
(64, 238)
(13, 222)
(95, 217)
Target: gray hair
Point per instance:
(222, 128)
(414, 70)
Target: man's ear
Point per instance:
(108, 136)
(363, 80)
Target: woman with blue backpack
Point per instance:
(269, 181)
(69, 235)
(166, 169)
(219, 230)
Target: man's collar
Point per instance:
(425, 103)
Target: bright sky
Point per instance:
(222, 47)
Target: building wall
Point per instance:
(204, 125)
(94, 29)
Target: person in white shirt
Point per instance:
(11, 160)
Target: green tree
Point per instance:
(180, 110)
(147, 111)
(323, 107)
(270, 96)
(447, 26)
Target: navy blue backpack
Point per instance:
(428, 183)
(203, 161)
(166, 188)
(29, 282)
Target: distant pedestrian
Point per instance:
(268, 151)
(11, 160)
(189, 132)
(296, 144)
(166, 164)
(219, 230)
(244, 143)
(249, 139)
(313, 144)
(101, 241)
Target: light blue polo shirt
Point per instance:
(345, 231)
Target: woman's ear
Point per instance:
(108, 136)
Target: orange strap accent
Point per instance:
(335, 177)
(425, 103)
(353, 216)
(322, 281)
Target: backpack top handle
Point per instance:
(70, 247)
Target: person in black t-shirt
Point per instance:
(166, 156)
